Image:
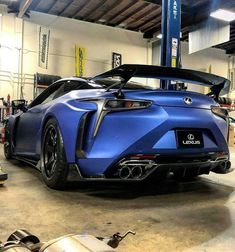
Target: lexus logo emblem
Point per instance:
(190, 137)
(188, 100)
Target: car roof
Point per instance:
(74, 78)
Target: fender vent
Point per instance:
(82, 135)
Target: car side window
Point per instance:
(58, 89)
(49, 98)
(69, 86)
(75, 85)
(57, 93)
(47, 95)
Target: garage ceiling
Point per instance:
(135, 15)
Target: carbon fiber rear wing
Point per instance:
(217, 84)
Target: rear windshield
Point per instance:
(150, 84)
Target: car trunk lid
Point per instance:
(173, 98)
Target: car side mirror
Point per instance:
(19, 105)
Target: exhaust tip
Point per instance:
(223, 167)
(125, 172)
(137, 172)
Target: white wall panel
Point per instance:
(100, 41)
(207, 34)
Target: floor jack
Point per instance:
(3, 176)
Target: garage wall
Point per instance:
(10, 44)
(100, 41)
(211, 59)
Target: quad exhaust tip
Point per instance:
(128, 172)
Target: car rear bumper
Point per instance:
(141, 167)
(153, 130)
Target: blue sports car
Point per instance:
(112, 127)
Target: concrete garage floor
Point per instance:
(196, 216)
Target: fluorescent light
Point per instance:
(102, 20)
(0, 14)
(159, 36)
(224, 15)
(122, 25)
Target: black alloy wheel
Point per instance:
(50, 151)
(53, 160)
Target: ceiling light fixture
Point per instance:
(122, 25)
(159, 36)
(102, 20)
(224, 15)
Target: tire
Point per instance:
(7, 151)
(54, 165)
(7, 143)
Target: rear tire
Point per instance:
(7, 143)
(54, 165)
(7, 150)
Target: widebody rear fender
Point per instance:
(68, 116)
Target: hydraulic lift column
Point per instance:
(170, 43)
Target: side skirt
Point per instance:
(31, 162)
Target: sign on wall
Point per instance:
(44, 38)
(116, 59)
(80, 54)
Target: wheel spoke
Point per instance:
(55, 140)
(53, 137)
(50, 162)
(53, 167)
(50, 151)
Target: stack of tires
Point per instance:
(45, 79)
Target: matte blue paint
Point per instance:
(123, 133)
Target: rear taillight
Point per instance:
(122, 104)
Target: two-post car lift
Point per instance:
(170, 43)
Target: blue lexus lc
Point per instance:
(119, 126)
